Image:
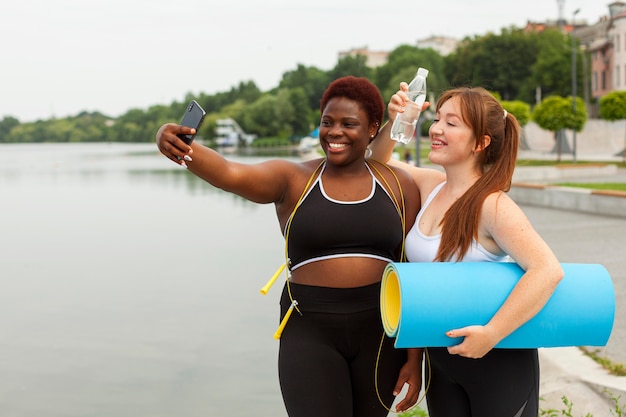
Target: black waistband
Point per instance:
(333, 300)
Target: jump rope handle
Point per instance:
(283, 323)
(271, 281)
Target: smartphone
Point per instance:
(193, 117)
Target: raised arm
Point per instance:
(266, 182)
(382, 147)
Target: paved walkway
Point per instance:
(585, 238)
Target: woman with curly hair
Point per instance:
(344, 218)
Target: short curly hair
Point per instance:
(361, 90)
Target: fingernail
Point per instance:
(184, 165)
(188, 158)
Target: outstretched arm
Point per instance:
(265, 182)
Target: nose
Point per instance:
(335, 129)
(435, 129)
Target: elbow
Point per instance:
(557, 274)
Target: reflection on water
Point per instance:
(131, 288)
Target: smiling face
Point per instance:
(451, 139)
(345, 131)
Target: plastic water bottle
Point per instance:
(403, 127)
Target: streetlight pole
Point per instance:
(574, 81)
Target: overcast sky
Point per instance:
(60, 57)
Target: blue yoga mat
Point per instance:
(420, 302)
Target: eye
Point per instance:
(325, 123)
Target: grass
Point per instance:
(619, 410)
(614, 186)
(614, 368)
(554, 162)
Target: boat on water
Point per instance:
(229, 135)
(309, 148)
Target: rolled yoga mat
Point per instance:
(421, 301)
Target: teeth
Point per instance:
(437, 143)
(336, 145)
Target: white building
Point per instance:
(442, 44)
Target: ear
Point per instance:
(373, 130)
(483, 144)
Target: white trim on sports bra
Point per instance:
(423, 248)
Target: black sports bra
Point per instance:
(324, 228)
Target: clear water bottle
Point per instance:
(403, 128)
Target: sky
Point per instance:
(62, 57)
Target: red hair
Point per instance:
(361, 90)
(495, 163)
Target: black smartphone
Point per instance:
(193, 117)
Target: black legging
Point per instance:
(504, 383)
(327, 357)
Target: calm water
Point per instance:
(131, 288)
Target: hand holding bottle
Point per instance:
(403, 128)
(398, 102)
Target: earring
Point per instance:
(368, 153)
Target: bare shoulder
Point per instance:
(499, 210)
(427, 178)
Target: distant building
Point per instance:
(539, 27)
(442, 44)
(607, 50)
(604, 46)
(373, 59)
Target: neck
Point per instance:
(460, 179)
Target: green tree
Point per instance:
(497, 62)
(260, 116)
(351, 65)
(304, 118)
(555, 114)
(312, 80)
(514, 63)
(521, 111)
(552, 69)
(613, 107)
(6, 125)
(402, 65)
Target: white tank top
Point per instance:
(423, 248)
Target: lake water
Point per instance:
(131, 288)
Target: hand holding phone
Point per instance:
(193, 117)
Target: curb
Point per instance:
(528, 188)
(568, 373)
(609, 203)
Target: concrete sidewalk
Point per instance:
(568, 372)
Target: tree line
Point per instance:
(515, 65)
